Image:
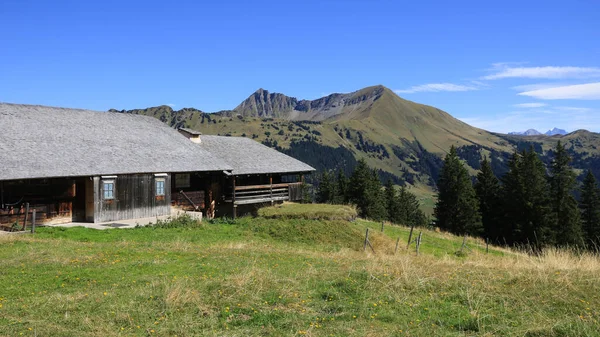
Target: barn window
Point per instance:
(108, 189)
(160, 187)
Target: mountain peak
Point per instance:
(555, 131)
(530, 132)
(263, 103)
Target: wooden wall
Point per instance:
(135, 197)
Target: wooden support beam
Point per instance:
(33, 222)
(26, 214)
(271, 187)
(234, 207)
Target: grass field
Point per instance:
(286, 276)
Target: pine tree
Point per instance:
(391, 201)
(359, 181)
(590, 210)
(566, 221)
(526, 201)
(365, 192)
(487, 189)
(341, 191)
(511, 202)
(408, 206)
(377, 209)
(326, 190)
(456, 209)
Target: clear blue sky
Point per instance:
(511, 65)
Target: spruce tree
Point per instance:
(511, 195)
(341, 191)
(456, 209)
(590, 210)
(566, 221)
(408, 206)
(487, 189)
(526, 201)
(391, 201)
(326, 189)
(377, 208)
(365, 192)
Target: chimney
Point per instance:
(192, 135)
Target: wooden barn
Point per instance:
(261, 175)
(72, 165)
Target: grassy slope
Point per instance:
(274, 277)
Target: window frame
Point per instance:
(156, 189)
(112, 183)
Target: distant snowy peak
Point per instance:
(555, 131)
(530, 132)
(534, 132)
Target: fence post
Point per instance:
(33, 222)
(419, 242)
(410, 236)
(26, 214)
(382, 226)
(397, 242)
(367, 242)
(487, 245)
(464, 243)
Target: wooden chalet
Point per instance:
(72, 165)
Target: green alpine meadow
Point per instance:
(287, 272)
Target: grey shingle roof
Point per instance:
(250, 157)
(43, 142)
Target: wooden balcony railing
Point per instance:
(254, 194)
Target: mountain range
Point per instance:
(534, 132)
(405, 141)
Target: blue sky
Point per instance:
(502, 66)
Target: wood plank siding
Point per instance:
(134, 196)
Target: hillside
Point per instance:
(403, 139)
(287, 277)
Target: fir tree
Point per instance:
(408, 207)
(456, 209)
(526, 201)
(326, 190)
(341, 191)
(487, 189)
(391, 202)
(376, 209)
(566, 221)
(511, 204)
(590, 210)
(365, 191)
